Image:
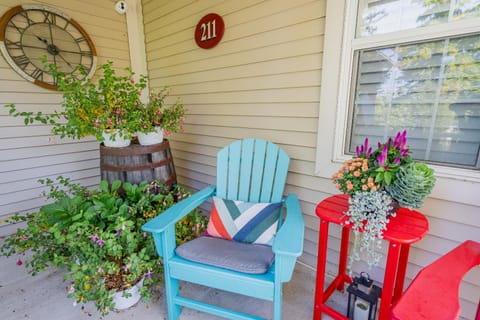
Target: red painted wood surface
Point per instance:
(434, 293)
(407, 227)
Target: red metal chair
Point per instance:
(433, 294)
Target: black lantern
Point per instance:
(362, 287)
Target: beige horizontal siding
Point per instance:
(263, 80)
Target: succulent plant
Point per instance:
(412, 185)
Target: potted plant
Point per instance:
(156, 118)
(104, 108)
(378, 181)
(96, 237)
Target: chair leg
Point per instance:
(171, 284)
(171, 289)
(277, 301)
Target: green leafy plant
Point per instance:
(91, 108)
(96, 237)
(377, 180)
(157, 113)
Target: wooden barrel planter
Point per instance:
(137, 163)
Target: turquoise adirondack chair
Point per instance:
(250, 170)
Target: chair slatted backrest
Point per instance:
(252, 170)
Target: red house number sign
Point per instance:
(209, 31)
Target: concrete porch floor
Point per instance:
(43, 297)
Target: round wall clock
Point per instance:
(28, 33)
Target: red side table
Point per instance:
(407, 227)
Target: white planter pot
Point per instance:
(122, 303)
(147, 139)
(119, 142)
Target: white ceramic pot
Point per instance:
(147, 139)
(119, 142)
(122, 303)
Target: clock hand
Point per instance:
(33, 47)
(41, 39)
(65, 61)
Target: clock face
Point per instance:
(31, 33)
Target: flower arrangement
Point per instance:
(157, 114)
(92, 108)
(376, 180)
(96, 237)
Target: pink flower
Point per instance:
(166, 133)
(381, 158)
(182, 119)
(109, 122)
(19, 262)
(100, 242)
(94, 238)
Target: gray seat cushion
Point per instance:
(237, 256)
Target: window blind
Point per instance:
(431, 89)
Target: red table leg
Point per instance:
(402, 270)
(342, 263)
(321, 263)
(389, 280)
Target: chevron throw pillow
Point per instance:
(244, 221)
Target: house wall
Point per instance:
(263, 80)
(30, 153)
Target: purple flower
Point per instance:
(100, 242)
(94, 238)
(363, 149)
(117, 232)
(381, 158)
(397, 160)
(148, 275)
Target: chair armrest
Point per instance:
(176, 212)
(289, 239)
(288, 243)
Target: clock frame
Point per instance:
(35, 36)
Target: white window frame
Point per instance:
(453, 184)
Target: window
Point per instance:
(404, 64)
(431, 87)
